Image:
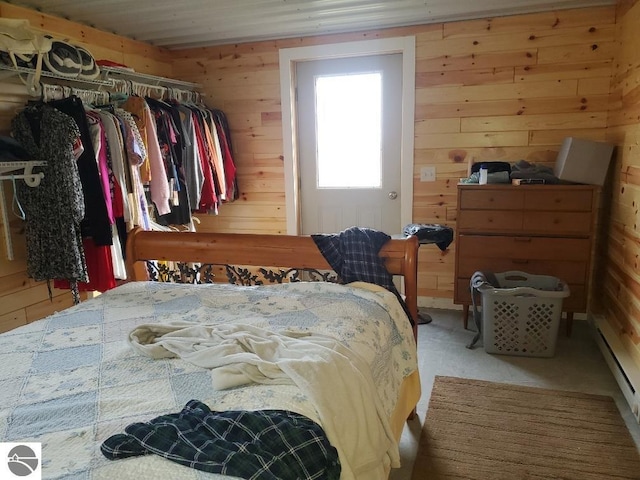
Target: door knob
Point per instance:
(393, 195)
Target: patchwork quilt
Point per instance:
(71, 380)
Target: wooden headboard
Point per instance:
(300, 252)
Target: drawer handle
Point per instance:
(522, 239)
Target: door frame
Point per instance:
(288, 58)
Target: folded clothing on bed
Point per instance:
(261, 445)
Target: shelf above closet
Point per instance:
(8, 70)
(123, 74)
(107, 77)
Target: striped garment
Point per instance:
(262, 444)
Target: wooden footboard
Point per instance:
(294, 253)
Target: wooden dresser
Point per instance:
(538, 229)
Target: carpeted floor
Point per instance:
(479, 430)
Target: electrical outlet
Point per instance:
(427, 174)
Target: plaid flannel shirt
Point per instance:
(262, 444)
(353, 254)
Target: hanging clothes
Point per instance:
(99, 266)
(208, 200)
(158, 182)
(192, 164)
(100, 258)
(222, 129)
(55, 209)
(101, 149)
(113, 134)
(189, 153)
(150, 164)
(170, 139)
(217, 162)
(136, 153)
(96, 223)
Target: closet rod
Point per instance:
(169, 93)
(55, 92)
(101, 96)
(164, 81)
(108, 77)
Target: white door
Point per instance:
(349, 143)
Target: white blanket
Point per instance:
(337, 381)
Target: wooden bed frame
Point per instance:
(223, 252)
(223, 257)
(296, 253)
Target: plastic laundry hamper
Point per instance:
(522, 315)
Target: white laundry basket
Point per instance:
(522, 316)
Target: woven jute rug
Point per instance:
(493, 431)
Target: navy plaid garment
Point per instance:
(262, 444)
(353, 254)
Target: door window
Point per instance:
(349, 130)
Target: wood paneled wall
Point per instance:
(22, 299)
(497, 89)
(617, 293)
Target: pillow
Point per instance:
(63, 59)
(90, 69)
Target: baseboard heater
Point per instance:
(624, 369)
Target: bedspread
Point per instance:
(71, 380)
(334, 378)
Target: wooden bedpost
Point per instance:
(136, 269)
(411, 280)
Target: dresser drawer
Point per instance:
(490, 221)
(524, 248)
(557, 223)
(567, 200)
(491, 199)
(529, 223)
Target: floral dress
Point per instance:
(54, 209)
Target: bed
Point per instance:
(81, 376)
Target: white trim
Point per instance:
(622, 366)
(288, 58)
